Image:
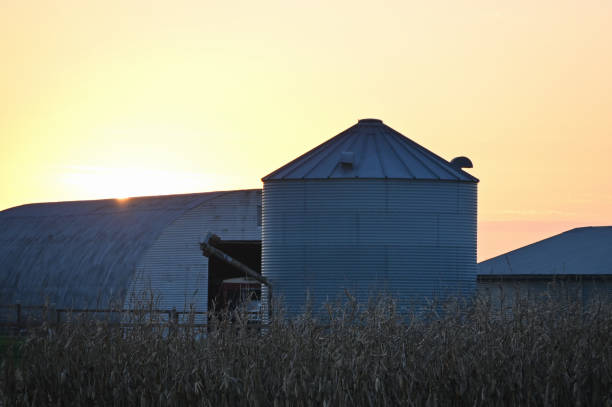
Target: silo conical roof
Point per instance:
(370, 149)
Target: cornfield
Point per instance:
(542, 353)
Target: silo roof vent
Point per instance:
(461, 162)
(346, 158)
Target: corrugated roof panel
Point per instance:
(578, 251)
(378, 151)
(411, 159)
(369, 160)
(326, 161)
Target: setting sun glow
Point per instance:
(127, 182)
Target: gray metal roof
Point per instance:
(82, 253)
(579, 251)
(370, 149)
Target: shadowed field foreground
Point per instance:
(547, 354)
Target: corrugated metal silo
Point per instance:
(369, 211)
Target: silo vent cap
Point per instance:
(461, 162)
(370, 121)
(346, 158)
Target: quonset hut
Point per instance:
(102, 253)
(369, 211)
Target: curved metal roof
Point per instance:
(579, 251)
(370, 149)
(82, 253)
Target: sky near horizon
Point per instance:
(103, 99)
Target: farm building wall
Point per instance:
(174, 269)
(584, 290)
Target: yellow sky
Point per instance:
(126, 98)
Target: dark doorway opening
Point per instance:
(224, 294)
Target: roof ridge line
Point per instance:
(398, 135)
(378, 155)
(329, 153)
(446, 167)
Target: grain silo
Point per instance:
(369, 211)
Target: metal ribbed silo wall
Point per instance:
(415, 240)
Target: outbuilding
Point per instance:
(112, 252)
(575, 264)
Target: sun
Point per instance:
(123, 183)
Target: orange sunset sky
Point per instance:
(104, 99)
